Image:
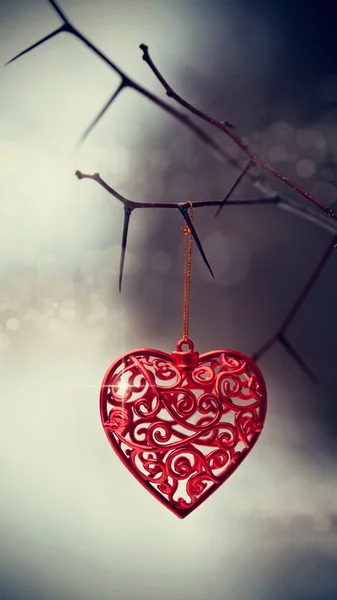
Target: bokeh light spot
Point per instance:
(13, 324)
(277, 153)
(305, 168)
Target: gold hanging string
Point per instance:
(188, 239)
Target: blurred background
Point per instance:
(75, 524)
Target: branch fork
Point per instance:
(327, 220)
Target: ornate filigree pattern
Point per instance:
(182, 423)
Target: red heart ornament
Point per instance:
(182, 423)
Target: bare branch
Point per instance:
(296, 208)
(279, 334)
(96, 177)
(309, 213)
(226, 128)
(327, 221)
(182, 118)
(199, 204)
(126, 81)
(129, 205)
(297, 358)
(245, 169)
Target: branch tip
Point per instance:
(127, 213)
(184, 211)
(297, 358)
(122, 85)
(245, 170)
(64, 27)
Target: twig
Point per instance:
(228, 130)
(198, 204)
(245, 170)
(127, 82)
(308, 213)
(298, 209)
(297, 358)
(130, 205)
(271, 197)
(279, 333)
(181, 117)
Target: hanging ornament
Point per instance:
(183, 422)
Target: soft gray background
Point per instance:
(75, 523)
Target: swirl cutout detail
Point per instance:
(182, 423)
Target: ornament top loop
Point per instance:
(187, 342)
(185, 359)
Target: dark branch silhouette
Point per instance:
(297, 208)
(326, 220)
(245, 170)
(199, 204)
(127, 82)
(228, 130)
(100, 114)
(279, 334)
(224, 126)
(297, 358)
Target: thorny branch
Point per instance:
(292, 206)
(130, 205)
(127, 82)
(228, 129)
(279, 335)
(270, 196)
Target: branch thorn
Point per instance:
(184, 211)
(127, 213)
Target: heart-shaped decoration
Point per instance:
(182, 423)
